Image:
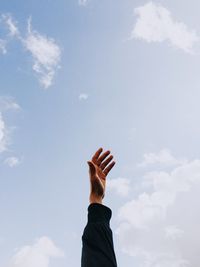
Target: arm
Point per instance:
(97, 238)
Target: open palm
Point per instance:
(98, 170)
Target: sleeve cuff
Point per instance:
(99, 213)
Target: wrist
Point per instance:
(95, 199)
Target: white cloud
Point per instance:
(3, 46)
(83, 96)
(120, 185)
(6, 103)
(12, 161)
(36, 255)
(164, 156)
(156, 24)
(3, 135)
(46, 55)
(44, 50)
(172, 231)
(83, 2)
(11, 24)
(160, 225)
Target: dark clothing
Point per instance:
(97, 239)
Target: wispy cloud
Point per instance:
(3, 46)
(83, 96)
(10, 24)
(83, 2)
(119, 185)
(7, 22)
(6, 103)
(156, 24)
(12, 161)
(154, 226)
(46, 55)
(44, 50)
(3, 135)
(38, 254)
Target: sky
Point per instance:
(77, 75)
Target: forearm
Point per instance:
(97, 239)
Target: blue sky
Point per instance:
(79, 75)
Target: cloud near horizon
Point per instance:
(159, 226)
(155, 23)
(164, 156)
(121, 186)
(36, 255)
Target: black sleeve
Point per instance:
(97, 239)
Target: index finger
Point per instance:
(97, 153)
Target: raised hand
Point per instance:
(98, 170)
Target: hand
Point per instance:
(98, 170)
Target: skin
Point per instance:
(99, 167)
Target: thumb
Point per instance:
(91, 168)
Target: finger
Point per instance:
(96, 155)
(106, 171)
(104, 155)
(105, 163)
